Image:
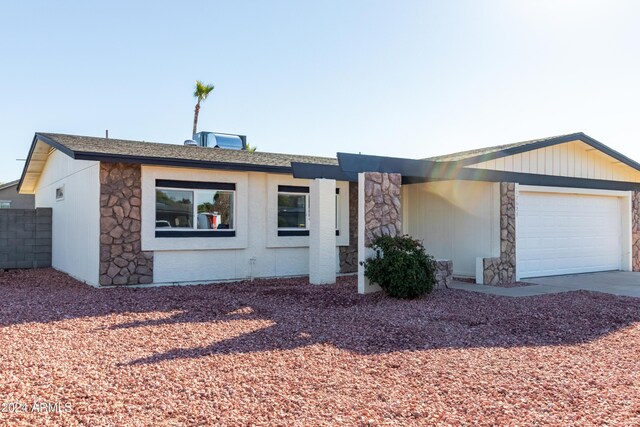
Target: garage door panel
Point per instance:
(567, 233)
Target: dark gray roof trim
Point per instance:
(417, 171)
(313, 171)
(580, 136)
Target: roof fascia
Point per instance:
(487, 175)
(187, 163)
(316, 170)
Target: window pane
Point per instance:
(5, 205)
(215, 210)
(174, 209)
(292, 211)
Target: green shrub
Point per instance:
(401, 267)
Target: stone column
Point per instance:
(378, 214)
(502, 270)
(122, 261)
(322, 232)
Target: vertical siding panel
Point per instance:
(500, 164)
(508, 163)
(556, 160)
(541, 161)
(548, 165)
(571, 159)
(564, 162)
(533, 162)
(615, 174)
(577, 155)
(525, 162)
(517, 162)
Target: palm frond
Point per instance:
(202, 90)
(251, 149)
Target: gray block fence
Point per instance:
(25, 238)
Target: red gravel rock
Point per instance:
(283, 352)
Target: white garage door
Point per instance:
(567, 233)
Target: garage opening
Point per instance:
(561, 233)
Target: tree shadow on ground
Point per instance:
(300, 315)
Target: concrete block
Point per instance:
(43, 241)
(43, 257)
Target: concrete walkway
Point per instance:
(621, 283)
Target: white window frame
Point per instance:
(194, 227)
(307, 214)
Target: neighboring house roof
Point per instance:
(153, 153)
(9, 184)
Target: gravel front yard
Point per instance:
(288, 353)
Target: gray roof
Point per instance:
(82, 146)
(9, 184)
(462, 155)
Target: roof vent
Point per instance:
(190, 142)
(221, 140)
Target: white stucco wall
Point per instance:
(458, 220)
(255, 251)
(76, 218)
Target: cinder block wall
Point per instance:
(25, 238)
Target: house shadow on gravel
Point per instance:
(302, 315)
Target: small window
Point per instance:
(293, 211)
(5, 204)
(60, 193)
(194, 209)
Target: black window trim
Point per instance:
(195, 233)
(196, 185)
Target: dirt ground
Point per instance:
(283, 352)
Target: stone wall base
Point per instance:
(497, 271)
(444, 274)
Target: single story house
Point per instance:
(132, 212)
(11, 199)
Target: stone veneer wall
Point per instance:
(635, 230)
(122, 261)
(349, 254)
(502, 270)
(444, 274)
(382, 205)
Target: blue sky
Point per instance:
(398, 78)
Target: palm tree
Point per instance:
(251, 148)
(201, 93)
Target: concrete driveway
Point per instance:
(622, 283)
